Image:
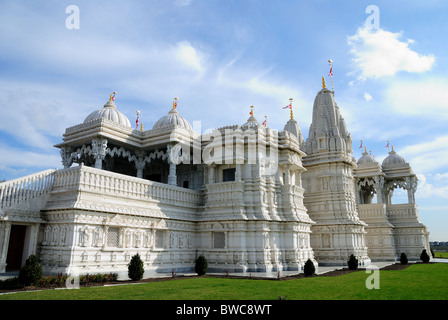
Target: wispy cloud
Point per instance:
(428, 97)
(380, 53)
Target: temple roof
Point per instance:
(109, 112)
(172, 118)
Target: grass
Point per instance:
(418, 282)
(441, 254)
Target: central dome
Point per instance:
(172, 118)
(109, 112)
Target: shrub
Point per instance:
(352, 263)
(424, 256)
(308, 268)
(10, 284)
(403, 258)
(31, 272)
(201, 266)
(135, 268)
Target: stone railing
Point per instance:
(371, 210)
(101, 181)
(402, 211)
(25, 188)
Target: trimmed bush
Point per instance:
(135, 268)
(424, 256)
(403, 258)
(31, 272)
(10, 284)
(201, 266)
(308, 268)
(352, 263)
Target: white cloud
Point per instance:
(367, 96)
(428, 156)
(379, 53)
(429, 189)
(190, 56)
(428, 97)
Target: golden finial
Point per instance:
(365, 148)
(141, 127)
(251, 111)
(175, 103)
(324, 86)
(112, 96)
(392, 147)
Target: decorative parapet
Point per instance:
(113, 184)
(21, 190)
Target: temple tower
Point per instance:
(329, 186)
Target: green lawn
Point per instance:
(443, 255)
(418, 282)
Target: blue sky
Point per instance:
(220, 57)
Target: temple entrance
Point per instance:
(15, 249)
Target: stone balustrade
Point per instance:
(90, 179)
(25, 188)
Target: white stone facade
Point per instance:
(234, 195)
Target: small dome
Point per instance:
(172, 118)
(366, 158)
(393, 159)
(251, 123)
(109, 112)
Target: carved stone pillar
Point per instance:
(140, 165)
(238, 172)
(67, 160)
(172, 178)
(380, 194)
(411, 187)
(99, 148)
(6, 231)
(211, 174)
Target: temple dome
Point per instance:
(172, 118)
(109, 112)
(393, 159)
(366, 158)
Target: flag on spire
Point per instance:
(112, 96)
(360, 145)
(175, 103)
(136, 121)
(264, 122)
(251, 111)
(331, 74)
(387, 146)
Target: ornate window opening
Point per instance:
(113, 237)
(159, 242)
(219, 240)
